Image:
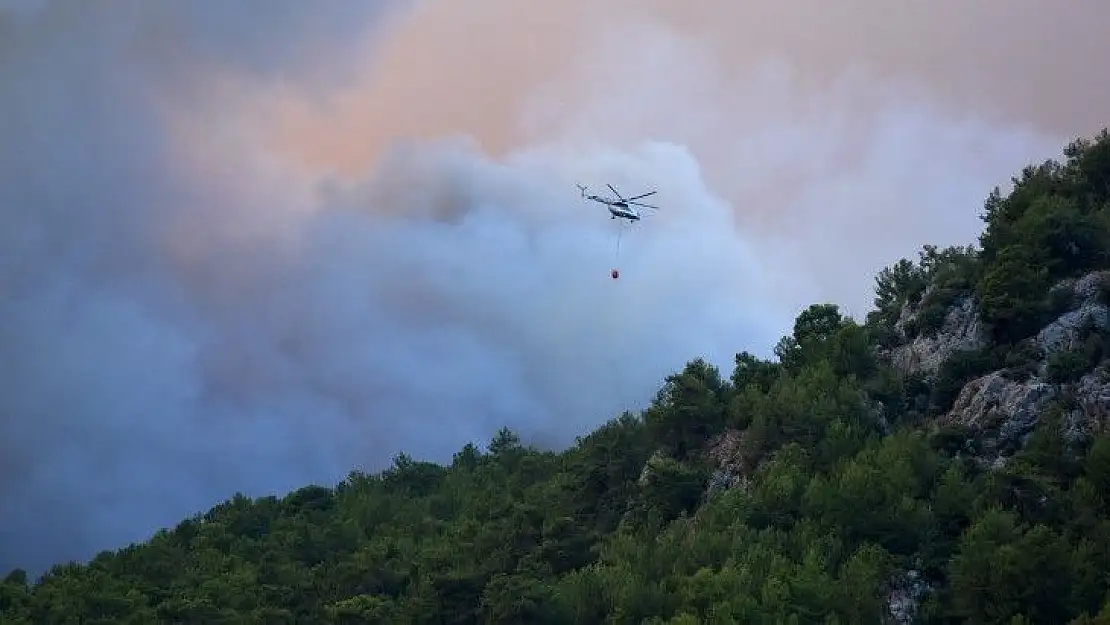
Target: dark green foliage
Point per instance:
(839, 490)
(929, 286)
(1047, 452)
(951, 440)
(1022, 361)
(933, 312)
(817, 324)
(669, 489)
(1002, 570)
(1010, 293)
(751, 370)
(958, 370)
(898, 284)
(1071, 364)
(1097, 467)
(688, 409)
(883, 334)
(1103, 296)
(1053, 225)
(1061, 299)
(1066, 366)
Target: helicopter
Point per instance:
(621, 207)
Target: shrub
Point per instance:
(958, 370)
(952, 439)
(1066, 366)
(1023, 361)
(931, 318)
(1061, 299)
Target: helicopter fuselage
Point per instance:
(621, 210)
(617, 208)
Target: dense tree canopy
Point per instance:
(843, 498)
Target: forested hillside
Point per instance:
(947, 461)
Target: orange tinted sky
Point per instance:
(469, 67)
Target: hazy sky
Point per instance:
(248, 246)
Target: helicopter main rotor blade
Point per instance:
(615, 192)
(644, 205)
(641, 196)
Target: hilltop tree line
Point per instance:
(845, 492)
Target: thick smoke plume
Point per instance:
(247, 246)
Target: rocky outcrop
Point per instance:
(728, 452)
(1001, 410)
(1091, 413)
(1066, 332)
(907, 589)
(962, 329)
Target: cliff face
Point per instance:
(1061, 368)
(1066, 332)
(1000, 412)
(961, 330)
(1000, 408)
